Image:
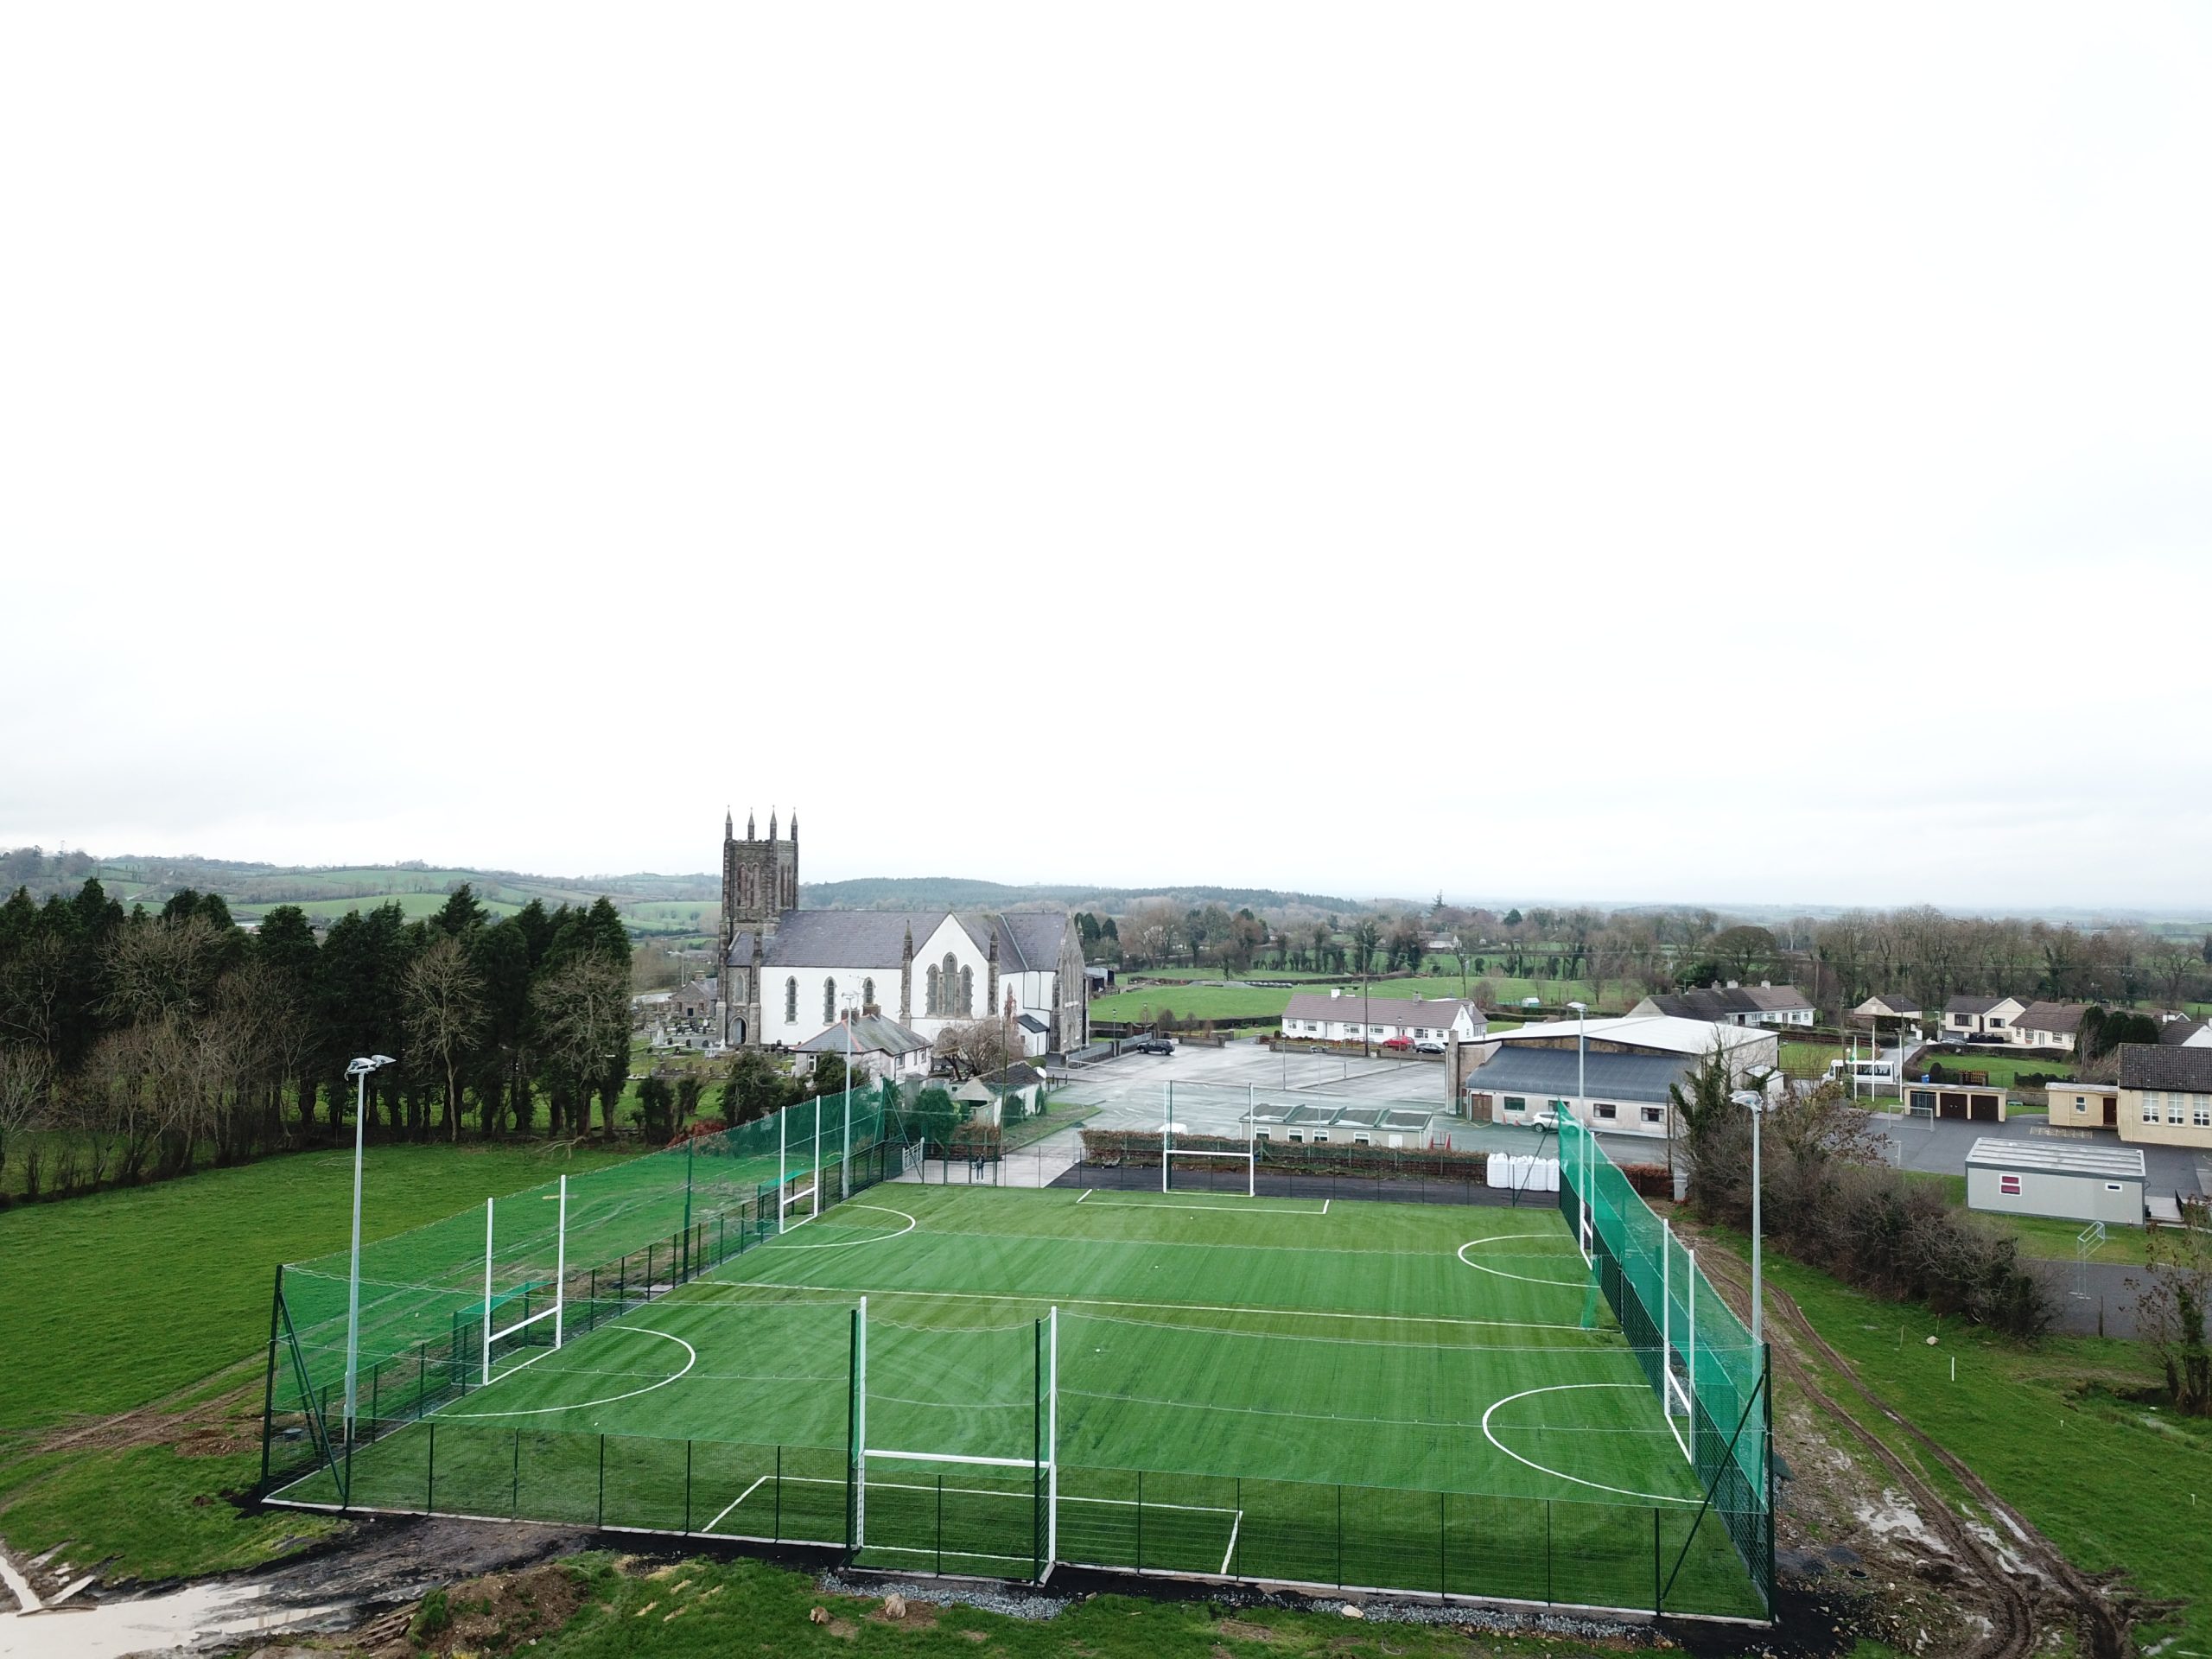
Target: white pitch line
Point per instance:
(1223, 1208)
(1558, 1474)
(1086, 1193)
(739, 1499)
(1230, 1554)
(1325, 1206)
(1101, 1301)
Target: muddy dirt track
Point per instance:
(2019, 1606)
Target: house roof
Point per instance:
(1031, 1023)
(2175, 1032)
(1029, 940)
(1975, 1004)
(873, 1033)
(1020, 1075)
(2056, 1157)
(2059, 1017)
(1667, 1033)
(1433, 1013)
(1897, 1002)
(1550, 1073)
(2156, 1065)
(1723, 1001)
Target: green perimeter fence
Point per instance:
(609, 1242)
(1695, 1352)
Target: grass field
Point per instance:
(2003, 1069)
(1363, 1394)
(1191, 1002)
(111, 1302)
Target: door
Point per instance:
(1950, 1105)
(1478, 1107)
(1982, 1109)
(2112, 1111)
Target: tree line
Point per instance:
(143, 1041)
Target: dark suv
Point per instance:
(1156, 1045)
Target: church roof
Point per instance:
(1028, 940)
(872, 1033)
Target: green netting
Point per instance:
(1695, 1352)
(632, 1230)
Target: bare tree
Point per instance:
(2172, 1303)
(443, 996)
(26, 1081)
(975, 1047)
(583, 1010)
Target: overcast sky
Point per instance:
(1753, 454)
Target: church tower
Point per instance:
(759, 882)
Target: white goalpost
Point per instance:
(812, 1192)
(1675, 1398)
(491, 1334)
(1169, 1151)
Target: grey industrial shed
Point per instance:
(2050, 1178)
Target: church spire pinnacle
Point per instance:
(772, 823)
(794, 825)
(729, 825)
(749, 836)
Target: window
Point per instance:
(930, 994)
(1515, 1103)
(2080, 1105)
(2009, 1185)
(1298, 1137)
(1650, 1114)
(2149, 1107)
(1319, 1135)
(1362, 1139)
(1607, 1114)
(2111, 1186)
(2200, 1111)
(967, 990)
(829, 1000)
(791, 1001)
(1263, 1135)
(868, 993)
(2173, 1109)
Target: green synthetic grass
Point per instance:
(1421, 1398)
(109, 1302)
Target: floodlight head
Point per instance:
(367, 1064)
(1579, 1008)
(1749, 1099)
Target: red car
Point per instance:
(1397, 1042)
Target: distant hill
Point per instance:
(960, 893)
(670, 906)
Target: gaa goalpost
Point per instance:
(1169, 1151)
(493, 1301)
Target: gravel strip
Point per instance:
(992, 1598)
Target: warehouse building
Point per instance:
(2070, 1181)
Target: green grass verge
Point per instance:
(2110, 1481)
(116, 1301)
(712, 1610)
(1258, 1001)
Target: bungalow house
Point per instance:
(2186, 1034)
(880, 1046)
(2165, 1094)
(1347, 1017)
(1981, 1018)
(1903, 1012)
(2085, 1105)
(1731, 1004)
(2048, 1025)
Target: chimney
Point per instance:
(1335, 992)
(1732, 984)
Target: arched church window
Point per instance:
(931, 996)
(791, 1000)
(868, 993)
(828, 1001)
(967, 991)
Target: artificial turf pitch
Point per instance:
(1398, 1396)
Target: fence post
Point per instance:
(687, 1485)
(600, 1513)
(430, 1474)
(1340, 1535)
(1441, 1594)
(776, 1525)
(375, 1393)
(940, 1524)
(1548, 1552)
(1140, 1520)
(1658, 1596)
(514, 1497)
(422, 1375)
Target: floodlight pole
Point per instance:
(1582, 1095)
(1756, 1105)
(845, 1159)
(358, 1070)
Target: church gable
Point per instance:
(951, 972)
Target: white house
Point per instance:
(881, 1047)
(1731, 1004)
(1981, 1018)
(1343, 1016)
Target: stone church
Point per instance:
(788, 974)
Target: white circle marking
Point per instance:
(1556, 1474)
(1526, 1279)
(691, 1358)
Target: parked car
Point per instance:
(1157, 1046)
(1397, 1044)
(1547, 1119)
(1428, 1046)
